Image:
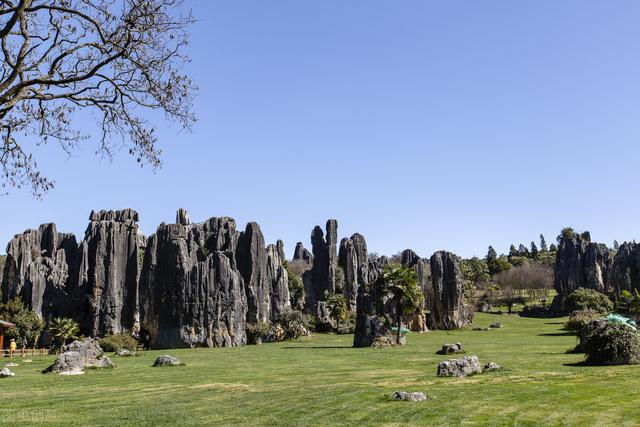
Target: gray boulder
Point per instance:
(6, 372)
(166, 360)
(78, 356)
(495, 325)
(463, 367)
(451, 349)
(416, 396)
(492, 366)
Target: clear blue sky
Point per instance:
(419, 124)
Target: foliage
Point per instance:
(612, 344)
(543, 244)
(339, 309)
(112, 59)
(566, 233)
(29, 325)
(579, 319)
(255, 331)
(118, 342)
(297, 267)
(295, 324)
(584, 299)
(339, 280)
(296, 286)
(401, 282)
(475, 270)
(629, 302)
(63, 329)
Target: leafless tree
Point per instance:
(116, 58)
(528, 282)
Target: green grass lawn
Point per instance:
(323, 381)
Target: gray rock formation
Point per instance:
(580, 263)
(166, 360)
(110, 258)
(278, 280)
(182, 217)
(625, 270)
(321, 279)
(302, 254)
(280, 247)
(78, 356)
(491, 366)
(469, 365)
(353, 259)
(39, 269)
(190, 291)
(417, 321)
(251, 258)
(448, 309)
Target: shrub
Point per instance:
(255, 332)
(294, 324)
(589, 299)
(579, 319)
(612, 344)
(118, 342)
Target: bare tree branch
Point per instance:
(117, 58)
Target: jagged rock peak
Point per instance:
(118, 216)
(448, 309)
(182, 217)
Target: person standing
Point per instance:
(12, 347)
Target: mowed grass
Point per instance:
(323, 381)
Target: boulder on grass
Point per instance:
(451, 349)
(495, 325)
(78, 356)
(416, 396)
(166, 360)
(5, 372)
(492, 366)
(460, 367)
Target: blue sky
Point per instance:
(431, 125)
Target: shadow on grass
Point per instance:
(554, 323)
(329, 347)
(557, 334)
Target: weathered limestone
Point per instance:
(320, 281)
(110, 259)
(417, 321)
(448, 309)
(469, 365)
(580, 263)
(625, 270)
(39, 270)
(302, 254)
(251, 258)
(190, 292)
(78, 356)
(353, 259)
(182, 217)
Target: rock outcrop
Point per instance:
(166, 360)
(469, 365)
(301, 254)
(417, 321)
(353, 259)
(580, 263)
(78, 356)
(625, 269)
(320, 281)
(448, 309)
(190, 291)
(40, 270)
(110, 258)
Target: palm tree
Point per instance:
(401, 282)
(63, 328)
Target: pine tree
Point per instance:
(534, 250)
(512, 251)
(616, 245)
(543, 244)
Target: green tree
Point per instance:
(543, 244)
(63, 328)
(401, 282)
(28, 324)
(553, 248)
(534, 251)
(296, 287)
(339, 310)
(513, 251)
(475, 270)
(616, 246)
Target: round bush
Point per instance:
(118, 342)
(609, 343)
(589, 299)
(579, 319)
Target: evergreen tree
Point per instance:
(553, 248)
(492, 255)
(523, 251)
(616, 245)
(513, 251)
(543, 244)
(534, 250)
